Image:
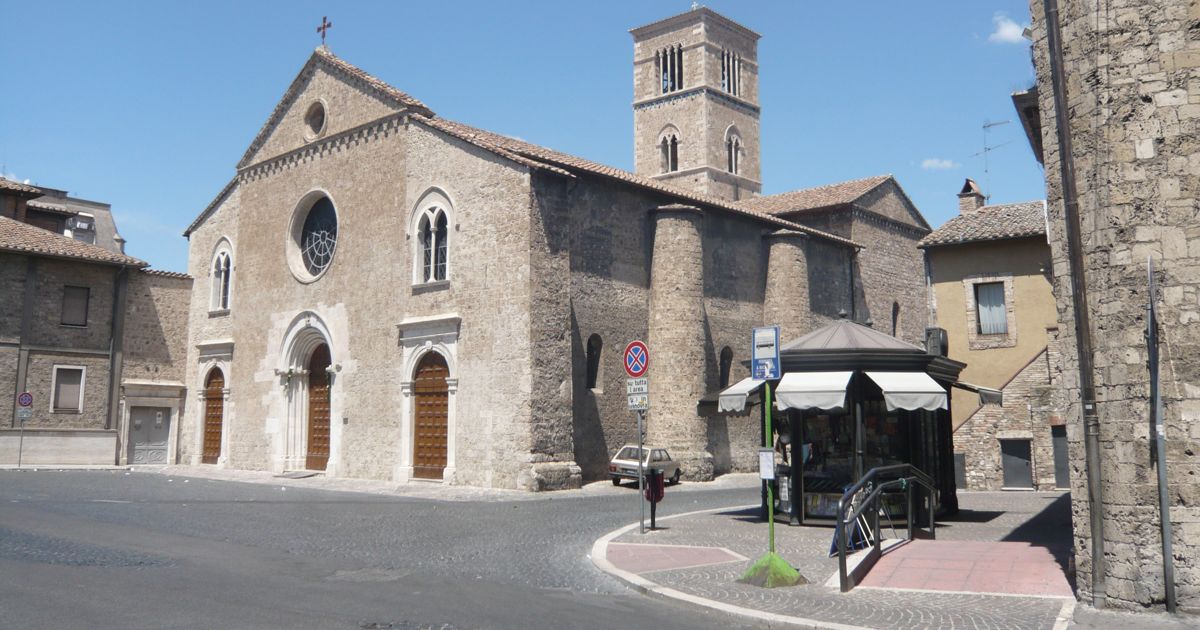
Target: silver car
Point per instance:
(624, 464)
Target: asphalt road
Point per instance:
(107, 549)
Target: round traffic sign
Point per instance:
(25, 399)
(637, 359)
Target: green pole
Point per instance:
(770, 443)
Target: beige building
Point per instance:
(990, 290)
(389, 294)
(94, 336)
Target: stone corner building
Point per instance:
(389, 294)
(1132, 75)
(94, 335)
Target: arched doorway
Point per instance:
(317, 455)
(432, 396)
(214, 416)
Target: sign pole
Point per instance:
(770, 493)
(21, 443)
(641, 467)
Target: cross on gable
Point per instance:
(325, 26)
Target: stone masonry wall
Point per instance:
(1133, 91)
(156, 327)
(1027, 414)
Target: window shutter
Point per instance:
(75, 306)
(66, 389)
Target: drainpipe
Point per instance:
(1083, 335)
(116, 351)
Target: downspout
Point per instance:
(1083, 335)
(116, 350)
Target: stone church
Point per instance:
(384, 293)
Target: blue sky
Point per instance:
(148, 105)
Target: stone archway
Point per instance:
(431, 392)
(308, 440)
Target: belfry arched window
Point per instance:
(669, 148)
(733, 150)
(222, 279)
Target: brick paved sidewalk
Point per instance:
(692, 557)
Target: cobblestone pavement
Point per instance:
(1028, 517)
(173, 550)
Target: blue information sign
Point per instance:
(764, 353)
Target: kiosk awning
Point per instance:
(734, 398)
(812, 390)
(910, 390)
(987, 395)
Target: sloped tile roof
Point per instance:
(166, 274)
(507, 145)
(18, 187)
(826, 196)
(22, 238)
(991, 223)
(51, 207)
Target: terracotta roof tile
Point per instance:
(991, 223)
(51, 207)
(18, 187)
(166, 274)
(504, 144)
(814, 198)
(22, 238)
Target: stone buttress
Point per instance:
(676, 339)
(786, 301)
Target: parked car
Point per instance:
(624, 464)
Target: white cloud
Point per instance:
(938, 164)
(1007, 31)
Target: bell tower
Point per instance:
(695, 104)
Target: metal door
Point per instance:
(1062, 475)
(149, 430)
(1016, 461)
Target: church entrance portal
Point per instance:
(214, 416)
(317, 456)
(432, 405)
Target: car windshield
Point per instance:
(629, 452)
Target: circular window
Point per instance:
(312, 237)
(314, 119)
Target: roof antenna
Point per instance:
(987, 179)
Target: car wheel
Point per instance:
(675, 478)
(616, 481)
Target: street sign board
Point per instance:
(24, 413)
(638, 391)
(766, 464)
(25, 399)
(764, 353)
(637, 359)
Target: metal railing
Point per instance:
(850, 510)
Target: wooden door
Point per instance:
(214, 416)
(432, 400)
(318, 409)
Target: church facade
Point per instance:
(384, 293)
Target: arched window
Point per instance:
(433, 236)
(668, 62)
(733, 148)
(222, 272)
(726, 365)
(318, 236)
(594, 346)
(669, 148)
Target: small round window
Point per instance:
(318, 237)
(314, 119)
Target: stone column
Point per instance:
(676, 339)
(786, 301)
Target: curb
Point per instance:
(599, 558)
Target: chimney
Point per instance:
(969, 198)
